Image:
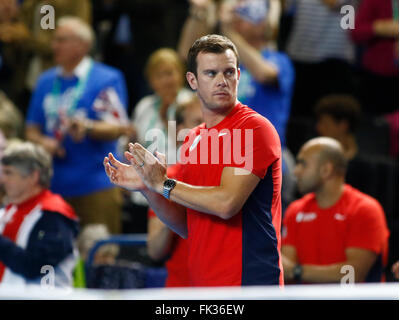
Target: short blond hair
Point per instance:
(161, 56)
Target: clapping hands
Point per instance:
(145, 170)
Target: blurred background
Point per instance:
(345, 82)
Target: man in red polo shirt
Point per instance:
(228, 201)
(334, 228)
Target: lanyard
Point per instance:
(395, 9)
(69, 111)
(79, 88)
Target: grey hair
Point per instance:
(81, 29)
(27, 157)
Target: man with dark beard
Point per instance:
(334, 230)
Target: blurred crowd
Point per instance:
(113, 72)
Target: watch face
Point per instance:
(169, 183)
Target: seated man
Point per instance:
(334, 225)
(37, 228)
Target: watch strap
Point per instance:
(168, 186)
(297, 272)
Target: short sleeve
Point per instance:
(261, 149)
(368, 228)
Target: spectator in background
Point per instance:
(203, 18)
(377, 31)
(11, 119)
(165, 74)
(11, 125)
(334, 224)
(337, 117)
(14, 57)
(79, 109)
(38, 227)
(40, 40)
(106, 254)
(162, 242)
(267, 76)
(322, 52)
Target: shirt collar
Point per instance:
(80, 70)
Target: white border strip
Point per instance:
(383, 291)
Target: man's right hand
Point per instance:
(122, 175)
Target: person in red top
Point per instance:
(38, 228)
(334, 228)
(162, 241)
(228, 201)
(377, 31)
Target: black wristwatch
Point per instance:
(168, 186)
(297, 272)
